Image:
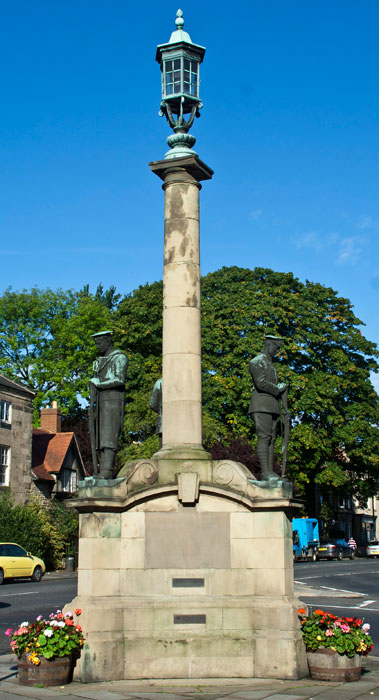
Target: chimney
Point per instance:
(51, 419)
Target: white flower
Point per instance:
(61, 623)
(53, 623)
(48, 633)
(68, 614)
(24, 624)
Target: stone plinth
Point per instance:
(191, 579)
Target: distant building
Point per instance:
(57, 464)
(365, 521)
(351, 519)
(16, 416)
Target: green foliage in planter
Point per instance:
(346, 635)
(50, 638)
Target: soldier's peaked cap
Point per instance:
(274, 337)
(96, 335)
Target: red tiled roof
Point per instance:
(49, 451)
(41, 473)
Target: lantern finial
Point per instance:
(179, 19)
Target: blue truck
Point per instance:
(306, 538)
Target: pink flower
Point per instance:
(345, 628)
(8, 632)
(329, 633)
(40, 617)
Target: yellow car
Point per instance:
(15, 562)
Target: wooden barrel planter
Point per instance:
(57, 671)
(328, 665)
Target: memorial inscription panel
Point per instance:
(187, 540)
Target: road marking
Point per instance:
(9, 595)
(343, 590)
(367, 602)
(348, 607)
(347, 573)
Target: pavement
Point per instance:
(205, 689)
(209, 689)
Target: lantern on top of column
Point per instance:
(180, 65)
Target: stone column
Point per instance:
(181, 374)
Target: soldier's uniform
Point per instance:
(264, 407)
(111, 371)
(106, 415)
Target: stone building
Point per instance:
(16, 417)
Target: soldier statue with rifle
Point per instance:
(107, 401)
(265, 408)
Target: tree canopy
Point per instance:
(45, 342)
(325, 359)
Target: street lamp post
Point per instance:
(181, 171)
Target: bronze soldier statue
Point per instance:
(264, 405)
(107, 401)
(155, 404)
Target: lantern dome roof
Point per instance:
(179, 39)
(179, 34)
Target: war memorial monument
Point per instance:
(185, 563)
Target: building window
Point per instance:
(69, 481)
(5, 411)
(4, 465)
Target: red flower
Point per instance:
(78, 611)
(78, 628)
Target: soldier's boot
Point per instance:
(266, 454)
(263, 454)
(106, 463)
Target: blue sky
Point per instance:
(289, 125)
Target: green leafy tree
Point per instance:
(325, 359)
(48, 531)
(45, 342)
(138, 332)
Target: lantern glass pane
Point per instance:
(177, 64)
(186, 64)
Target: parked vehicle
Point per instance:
(372, 549)
(335, 549)
(306, 538)
(15, 562)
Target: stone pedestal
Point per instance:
(188, 579)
